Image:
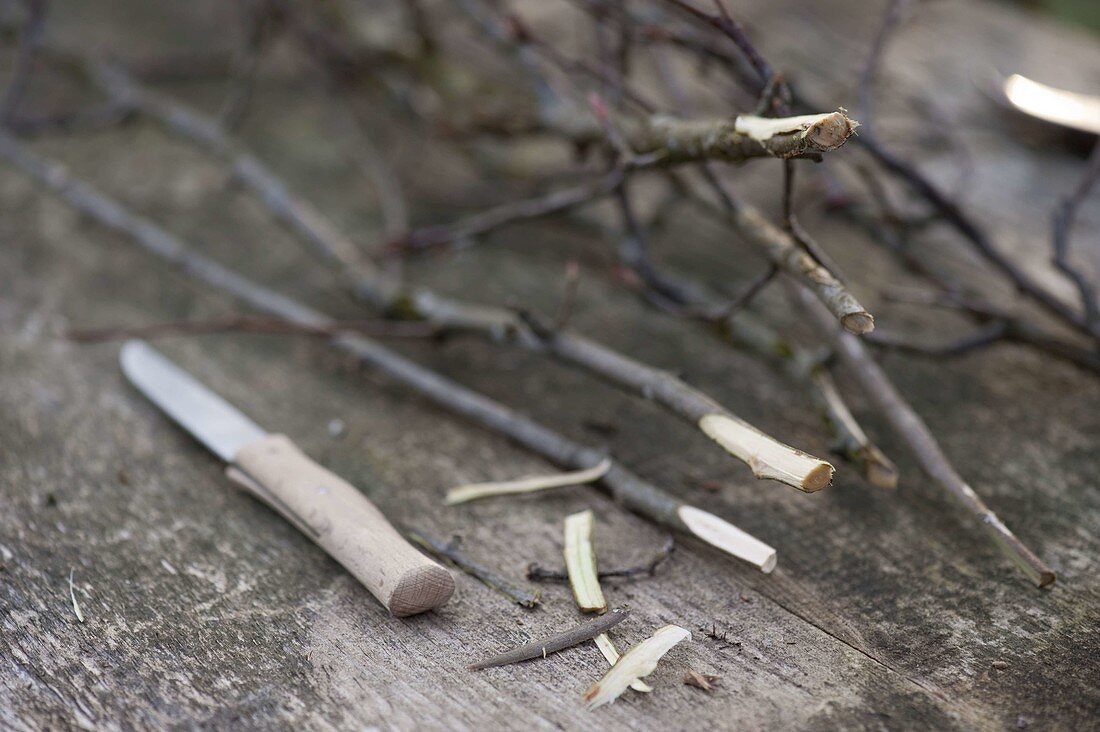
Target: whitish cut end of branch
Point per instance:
(767, 457)
(727, 537)
(580, 563)
(611, 654)
(530, 484)
(639, 661)
(823, 132)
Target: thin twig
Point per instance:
(1064, 217)
(625, 487)
(557, 642)
(535, 573)
(450, 551)
(767, 457)
(911, 429)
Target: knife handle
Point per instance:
(344, 523)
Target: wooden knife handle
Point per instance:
(344, 523)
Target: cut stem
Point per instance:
(910, 428)
(580, 563)
(625, 487)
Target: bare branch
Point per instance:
(1064, 217)
(910, 428)
(625, 487)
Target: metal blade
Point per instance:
(213, 421)
(1066, 108)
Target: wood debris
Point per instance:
(706, 682)
(580, 563)
(638, 662)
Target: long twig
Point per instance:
(912, 430)
(535, 573)
(766, 456)
(1064, 217)
(625, 487)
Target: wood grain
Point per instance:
(204, 608)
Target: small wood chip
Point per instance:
(474, 491)
(638, 662)
(706, 682)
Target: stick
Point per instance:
(253, 324)
(625, 487)
(555, 643)
(767, 457)
(910, 428)
(535, 573)
(488, 577)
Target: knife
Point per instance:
(328, 509)
(1051, 104)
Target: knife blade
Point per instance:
(325, 507)
(1058, 106)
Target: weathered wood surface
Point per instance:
(204, 608)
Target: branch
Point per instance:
(911, 429)
(625, 487)
(29, 40)
(449, 551)
(735, 140)
(786, 253)
(767, 457)
(1064, 217)
(690, 300)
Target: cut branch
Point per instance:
(785, 253)
(675, 141)
(910, 428)
(625, 487)
(767, 457)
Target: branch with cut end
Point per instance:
(767, 457)
(625, 487)
(747, 331)
(911, 429)
(691, 299)
(782, 249)
(674, 141)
